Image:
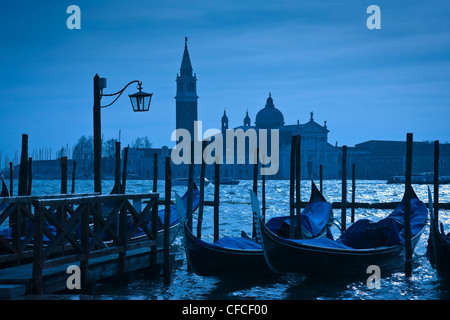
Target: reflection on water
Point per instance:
(235, 215)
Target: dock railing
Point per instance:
(16, 221)
(62, 229)
(100, 225)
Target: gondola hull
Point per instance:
(209, 260)
(438, 247)
(289, 257)
(438, 253)
(364, 244)
(243, 255)
(174, 231)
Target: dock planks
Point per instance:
(54, 278)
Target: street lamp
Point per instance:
(140, 101)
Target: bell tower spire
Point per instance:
(186, 97)
(186, 66)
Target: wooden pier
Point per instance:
(104, 236)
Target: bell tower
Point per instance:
(186, 97)
(224, 122)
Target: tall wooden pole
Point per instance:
(216, 198)
(202, 194)
(255, 186)
(344, 190)
(255, 173)
(18, 227)
(436, 180)
(190, 198)
(124, 169)
(73, 175)
(30, 175)
(353, 193)
(263, 197)
(155, 172)
(97, 137)
(63, 175)
(11, 179)
(292, 189)
(23, 169)
(298, 232)
(407, 219)
(117, 186)
(321, 178)
(168, 193)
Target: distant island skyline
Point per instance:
(367, 84)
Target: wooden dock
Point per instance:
(104, 236)
(55, 279)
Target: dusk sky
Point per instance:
(311, 55)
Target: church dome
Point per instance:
(269, 117)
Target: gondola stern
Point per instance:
(316, 195)
(260, 229)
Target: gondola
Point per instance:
(241, 255)
(438, 248)
(175, 222)
(363, 244)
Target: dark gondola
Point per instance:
(438, 248)
(241, 255)
(175, 222)
(363, 244)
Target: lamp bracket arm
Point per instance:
(118, 93)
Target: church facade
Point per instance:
(315, 149)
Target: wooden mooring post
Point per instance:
(117, 184)
(23, 169)
(292, 189)
(216, 198)
(167, 195)
(63, 161)
(155, 172)
(124, 169)
(190, 191)
(353, 193)
(74, 169)
(263, 197)
(408, 189)
(11, 179)
(298, 224)
(255, 185)
(201, 203)
(344, 190)
(436, 180)
(321, 178)
(29, 175)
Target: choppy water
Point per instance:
(235, 215)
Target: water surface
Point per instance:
(235, 215)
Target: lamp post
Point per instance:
(140, 101)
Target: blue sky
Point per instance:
(311, 55)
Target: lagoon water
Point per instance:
(235, 215)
